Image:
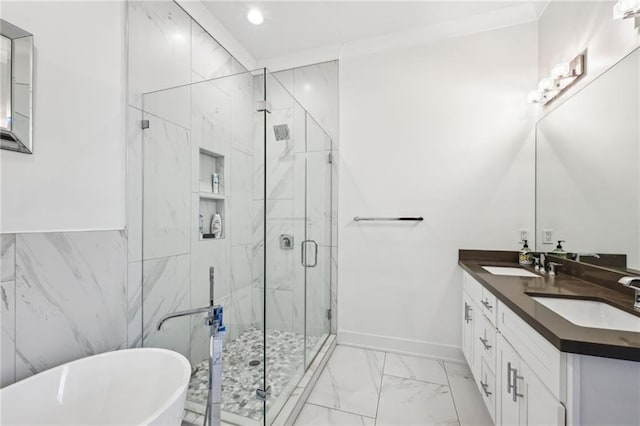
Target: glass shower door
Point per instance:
(317, 247)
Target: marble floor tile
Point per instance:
(411, 367)
(314, 415)
(411, 402)
(469, 403)
(350, 381)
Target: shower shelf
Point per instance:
(210, 203)
(211, 196)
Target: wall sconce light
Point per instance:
(563, 75)
(625, 9)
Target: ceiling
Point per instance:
(294, 26)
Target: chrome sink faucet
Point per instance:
(553, 266)
(634, 283)
(579, 255)
(539, 264)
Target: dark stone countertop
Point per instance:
(515, 293)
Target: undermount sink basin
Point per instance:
(591, 313)
(508, 271)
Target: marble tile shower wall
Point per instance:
(63, 297)
(169, 270)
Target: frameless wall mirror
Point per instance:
(588, 171)
(16, 84)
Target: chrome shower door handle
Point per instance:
(304, 254)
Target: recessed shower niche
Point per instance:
(211, 181)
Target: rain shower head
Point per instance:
(281, 131)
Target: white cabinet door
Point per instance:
(508, 402)
(478, 328)
(522, 398)
(539, 407)
(467, 328)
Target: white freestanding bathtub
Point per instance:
(130, 387)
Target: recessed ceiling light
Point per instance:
(255, 17)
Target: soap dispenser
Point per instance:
(526, 255)
(559, 251)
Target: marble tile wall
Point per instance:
(8, 308)
(282, 271)
(169, 269)
(64, 296)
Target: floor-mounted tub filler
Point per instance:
(144, 386)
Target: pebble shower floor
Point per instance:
(285, 352)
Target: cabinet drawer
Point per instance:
(472, 287)
(487, 384)
(486, 343)
(489, 305)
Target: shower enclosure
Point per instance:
(242, 149)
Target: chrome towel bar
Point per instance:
(408, 219)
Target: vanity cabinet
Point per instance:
(479, 339)
(517, 371)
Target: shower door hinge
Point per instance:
(263, 106)
(144, 124)
(261, 394)
(331, 158)
(328, 314)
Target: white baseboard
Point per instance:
(401, 346)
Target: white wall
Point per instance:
(75, 179)
(440, 130)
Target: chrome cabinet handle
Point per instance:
(303, 254)
(484, 388)
(487, 304)
(516, 395)
(467, 312)
(485, 343)
(512, 382)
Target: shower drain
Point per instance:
(254, 363)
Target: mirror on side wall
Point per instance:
(16, 84)
(588, 171)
